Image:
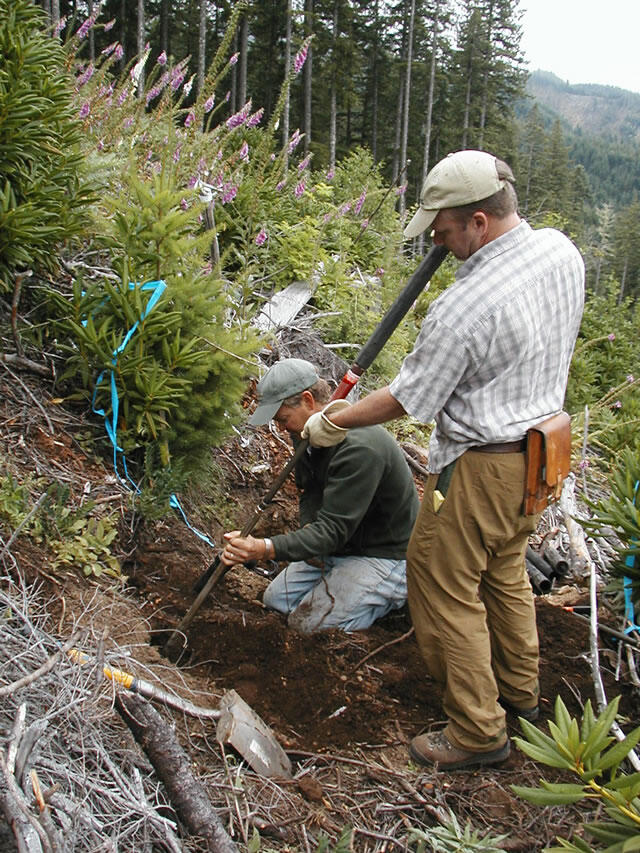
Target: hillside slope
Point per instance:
(601, 126)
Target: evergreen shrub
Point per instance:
(181, 376)
(42, 189)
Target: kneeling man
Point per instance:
(358, 504)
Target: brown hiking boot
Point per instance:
(438, 749)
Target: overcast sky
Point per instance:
(584, 41)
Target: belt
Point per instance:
(502, 447)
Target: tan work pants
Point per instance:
(470, 598)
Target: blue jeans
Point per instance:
(348, 593)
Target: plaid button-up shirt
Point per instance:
(493, 354)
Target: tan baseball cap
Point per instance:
(461, 178)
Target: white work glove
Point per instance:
(320, 431)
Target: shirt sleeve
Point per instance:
(432, 371)
(353, 477)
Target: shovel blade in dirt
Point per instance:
(240, 727)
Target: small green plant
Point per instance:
(453, 838)
(87, 546)
(621, 511)
(586, 749)
(14, 501)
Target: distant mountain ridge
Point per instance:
(599, 110)
(601, 126)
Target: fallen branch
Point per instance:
(173, 767)
(25, 363)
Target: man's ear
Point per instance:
(308, 399)
(480, 221)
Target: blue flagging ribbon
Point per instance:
(156, 288)
(628, 601)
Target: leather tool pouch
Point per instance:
(548, 462)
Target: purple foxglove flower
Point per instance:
(364, 224)
(233, 59)
(119, 52)
(184, 204)
(227, 97)
(244, 152)
(294, 141)
(109, 25)
(176, 154)
(302, 165)
(240, 117)
(360, 203)
(401, 189)
(617, 404)
(84, 28)
(611, 337)
(630, 377)
(187, 86)
(331, 174)
(85, 77)
(261, 237)
(208, 104)
(100, 145)
(177, 78)
(299, 190)
(128, 121)
(584, 463)
(326, 218)
(62, 23)
(189, 120)
(380, 271)
(162, 59)
(346, 207)
(280, 186)
(298, 62)
(153, 93)
(193, 180)
(256, 118)
(110, 48)
(230, 192)
(272, 157)
(85, 109)
(122, 97)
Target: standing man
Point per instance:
(491, 361)
(358, 505)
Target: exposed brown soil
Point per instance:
(332, 693)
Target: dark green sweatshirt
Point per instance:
(355, 498)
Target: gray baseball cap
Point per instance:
(461, 178)
(284, 379)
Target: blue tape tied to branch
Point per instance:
(629, 611)
(156, 288)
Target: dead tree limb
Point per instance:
(173, 767)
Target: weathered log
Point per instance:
(173, 767)
(579, 555)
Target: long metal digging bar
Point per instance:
(364, 359)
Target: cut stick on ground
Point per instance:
(173, 767)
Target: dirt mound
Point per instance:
(334, 690)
